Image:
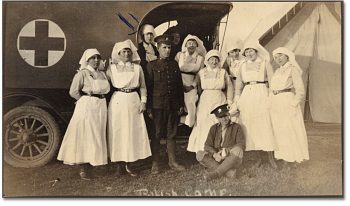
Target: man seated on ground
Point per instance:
(223, 150)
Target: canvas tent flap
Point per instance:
(325, 71)
(314, 35)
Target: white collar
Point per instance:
(195, 54)
(88, 67)
(257, 60)
(121, 63)
(211, 69)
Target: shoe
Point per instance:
(84, 176)
(130, 172)
(258, 163)
(272, 161)
(175, 166)
(231, 173)
(211, 175)
(155, 168)
(118, 171)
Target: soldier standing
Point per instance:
(166, 101)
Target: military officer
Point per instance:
(223, 149)
(165, 102)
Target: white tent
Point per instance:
(312, 30)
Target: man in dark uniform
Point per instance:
(223, 149)
(178, 37)
(165, 101)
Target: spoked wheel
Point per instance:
(31, 137)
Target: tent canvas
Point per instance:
(313, 33)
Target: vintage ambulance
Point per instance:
(42, 45)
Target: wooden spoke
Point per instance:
(43, 135)
(18, 125)
(37, 148)
(23, 149)
(42, 142)
(14, 132)
(16, 146)
(37, 129)
(25, 123)
(14, 139)
(30, 151)
(31, 127)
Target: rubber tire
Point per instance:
(53, 126)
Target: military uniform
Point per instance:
(165, 98)
(224, 141)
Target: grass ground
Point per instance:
(321, 175)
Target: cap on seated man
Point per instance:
(164, 39)
(223, 149)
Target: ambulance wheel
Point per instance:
(31, 137)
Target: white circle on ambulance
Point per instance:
(41, 43)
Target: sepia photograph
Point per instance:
(173, 99)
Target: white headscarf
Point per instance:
(147, 28)
(86, 56)
(290, 54)
(262, 52)
(212, 53)
(123, 45)
(237, 44)
(200, 48)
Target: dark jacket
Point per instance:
(233, 137)
(142, 53)
(164, 85)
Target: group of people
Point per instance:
(243, 105)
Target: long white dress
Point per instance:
(189, 66)
(85, 137)
(253, 106)
(213, 82)
(287, 119)
(127, 134)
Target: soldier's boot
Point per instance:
(231, 173)
(230, 162)
(119, 168)
(171, 155)
(84, 172)
(155, 168)
(130, 171)
(211, 175)
(258, 162)
(271, 159)
(207, 161)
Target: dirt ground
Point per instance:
(321, 175)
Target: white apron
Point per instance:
(191, 97)
(127, 133)
(212, 83)
(254, 116)
(85, 138)
(287, 120)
